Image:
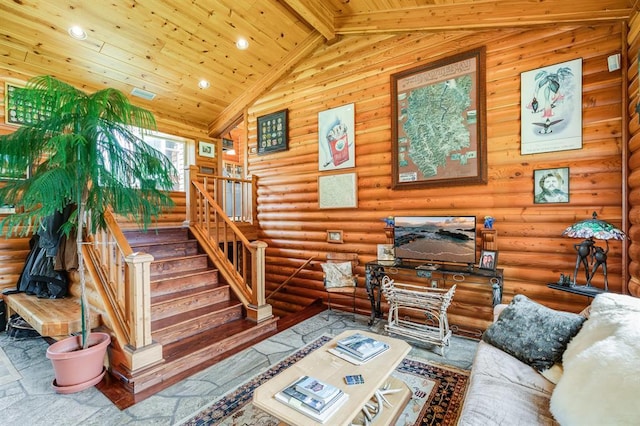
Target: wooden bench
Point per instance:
(55, 318)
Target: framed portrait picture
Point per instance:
(386, 254)
(206, 149)
(488, 260)
(438, 123)
(551, 186)
(336, 138)
(551, 108)
(273, 132)
(334, 236)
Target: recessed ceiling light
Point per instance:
(242, 44)
(203, 84)
(77, 32)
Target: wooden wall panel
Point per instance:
(357, 70)
(633, 41)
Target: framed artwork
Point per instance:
(438, 128)
(338, 191)
(272, 132)
(488, 260)
(336, 138)
(206, 149)
(551, 185)
(17, 111)
(551, 108)
(386, 254)
(334, 236)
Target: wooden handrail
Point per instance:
(123, 282)
(240, 261)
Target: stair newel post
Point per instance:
(254, 198)
(258, 310)
(191, 195)
(141, 350)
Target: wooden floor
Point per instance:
(113, 389)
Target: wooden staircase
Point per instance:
(195, 317)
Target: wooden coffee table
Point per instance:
(329, 368)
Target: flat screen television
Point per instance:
(436, 239)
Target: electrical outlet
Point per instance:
(434, 283)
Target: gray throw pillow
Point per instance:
(533, 333)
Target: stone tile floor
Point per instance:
(32, 401)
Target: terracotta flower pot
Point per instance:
(75, 368)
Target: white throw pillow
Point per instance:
(600, 384)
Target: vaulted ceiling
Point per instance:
(167, 46)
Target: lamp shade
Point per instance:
(594, 228)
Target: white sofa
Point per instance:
(598, 382)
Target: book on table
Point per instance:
(316, 409)
(316, 389)
(361, 347)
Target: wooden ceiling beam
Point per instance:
(482, 15)
(317, 13)
(237, 107)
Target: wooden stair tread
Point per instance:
(186, 293)
(187, 316)
(191, 256)
(211, 337)
(181, 274)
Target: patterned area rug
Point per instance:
(437, 397)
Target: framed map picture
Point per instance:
(272, 132)
(338, 191)
(438, 128)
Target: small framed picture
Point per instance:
(488, 260)
(551, 185)
(386, 254)
(206, 149)
(334, 236)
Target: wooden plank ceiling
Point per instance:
(168, 46)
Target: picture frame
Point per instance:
(488, 260)
(338, 191)
(386, 254)
(551, 186)
(453, 150)
(273, 132)
(17, 112)
(551, 108)
(334, 236)
(206, 149)
(336, 138)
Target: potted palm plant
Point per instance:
(86, 152)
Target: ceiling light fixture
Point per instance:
(204, 84)
(242, 44)
(77, 32)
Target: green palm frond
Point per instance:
(86, 151)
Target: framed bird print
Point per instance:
(551, 108)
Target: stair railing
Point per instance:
(240, 261)
(123, 282)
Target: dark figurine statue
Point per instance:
(599, 257)
(584, 249)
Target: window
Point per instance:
(175, 148)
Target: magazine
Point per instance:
(316, 389)
(361, 347)
(314, 409)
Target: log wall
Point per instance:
(357, 69)
(633, 39)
